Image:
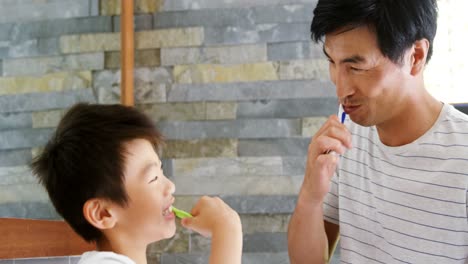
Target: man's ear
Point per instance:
(419, 56)
(100, 213)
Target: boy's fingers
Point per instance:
(191, 223)
(186, 222)
(196, 208)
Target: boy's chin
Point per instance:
(169, 232)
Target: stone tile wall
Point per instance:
(236, 87)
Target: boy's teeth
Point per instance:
(167, 211)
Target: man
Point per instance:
(391, 182)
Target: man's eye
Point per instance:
(154, 179)
(357, 69)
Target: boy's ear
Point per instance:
(99, 213)
(419, 56)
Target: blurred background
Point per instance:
(236, 87)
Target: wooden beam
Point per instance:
(28, 238)
(127, 52)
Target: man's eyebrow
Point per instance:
(352, 59)
(325, 52)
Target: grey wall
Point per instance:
(236, 87)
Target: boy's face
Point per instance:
(147, 217)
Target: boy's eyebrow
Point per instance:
(148, 166)
(352, 59)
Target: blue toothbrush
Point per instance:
(343, 117)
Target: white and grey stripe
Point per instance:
(403, 204)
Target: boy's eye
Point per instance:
(154, 179)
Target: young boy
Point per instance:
(105, 178)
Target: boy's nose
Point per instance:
(170, 189)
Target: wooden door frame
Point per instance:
(30, 238)
(127, 40)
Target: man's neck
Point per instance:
(414, 119)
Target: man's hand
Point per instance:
(333, 137)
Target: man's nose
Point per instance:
(343, 84)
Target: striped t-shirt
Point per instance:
(404, 204)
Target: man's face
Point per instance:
(147, 217)
(369, 85)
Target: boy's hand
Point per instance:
(212, 215)
(213, 218)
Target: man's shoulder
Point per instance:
(453, 121)
(453, 114)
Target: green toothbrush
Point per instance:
(180, 213)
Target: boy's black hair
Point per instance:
(85, 157)
(397, 23)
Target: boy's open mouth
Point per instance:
(168, 209)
